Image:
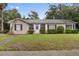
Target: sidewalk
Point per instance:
(41, 53)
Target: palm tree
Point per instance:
(2, 7)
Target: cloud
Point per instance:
(17, 7)
(14, 7)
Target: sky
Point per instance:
(25, 8)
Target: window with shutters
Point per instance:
(18, 27)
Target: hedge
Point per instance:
(30, 31)
(71, 31)
(42, 31)
(51, 31)
(60, 29)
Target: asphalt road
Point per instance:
(41, 53)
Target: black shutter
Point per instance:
(15, 27)
(21, 26)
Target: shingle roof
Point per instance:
(48, 21)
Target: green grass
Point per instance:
(43, 42)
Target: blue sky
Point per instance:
(25, 8)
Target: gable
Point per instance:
(18, 21)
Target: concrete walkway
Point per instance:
(5, 41)
(2, 34)
(41, 53)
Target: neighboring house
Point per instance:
(22, 26)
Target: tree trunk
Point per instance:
(2, 21)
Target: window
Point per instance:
(36, 26)
(51, 26)
(31, 26)
(42, 26)
(68, 26)
(18, 27)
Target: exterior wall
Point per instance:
(11, 27)
(46, 27)
(25, 27)
(74, 26)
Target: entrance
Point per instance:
(36, 28)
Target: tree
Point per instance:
(11, 14)
(2, 7)
(50, 14)
(56, 12)
(33, 15)
(24, 17)
(62, 12)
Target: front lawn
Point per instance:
(43, 42)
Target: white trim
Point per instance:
(36, 31)
(74, 26)
(46, 28)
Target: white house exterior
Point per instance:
(21, 26)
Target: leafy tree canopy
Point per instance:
(33, 15)
(62, 11)
(11, 14)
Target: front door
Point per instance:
(36, 28)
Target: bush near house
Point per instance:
(42, 31)
(30, 31)
(68, 31)
(60, 29)
(51, 31)
(75, 31)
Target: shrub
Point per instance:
(42, 31)
(60, 29)
(51, 31)
(74, 31)
(68, 31)
(30, 31)
(71, 31)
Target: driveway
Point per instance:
(41, 53)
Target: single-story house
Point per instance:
(22, 26)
